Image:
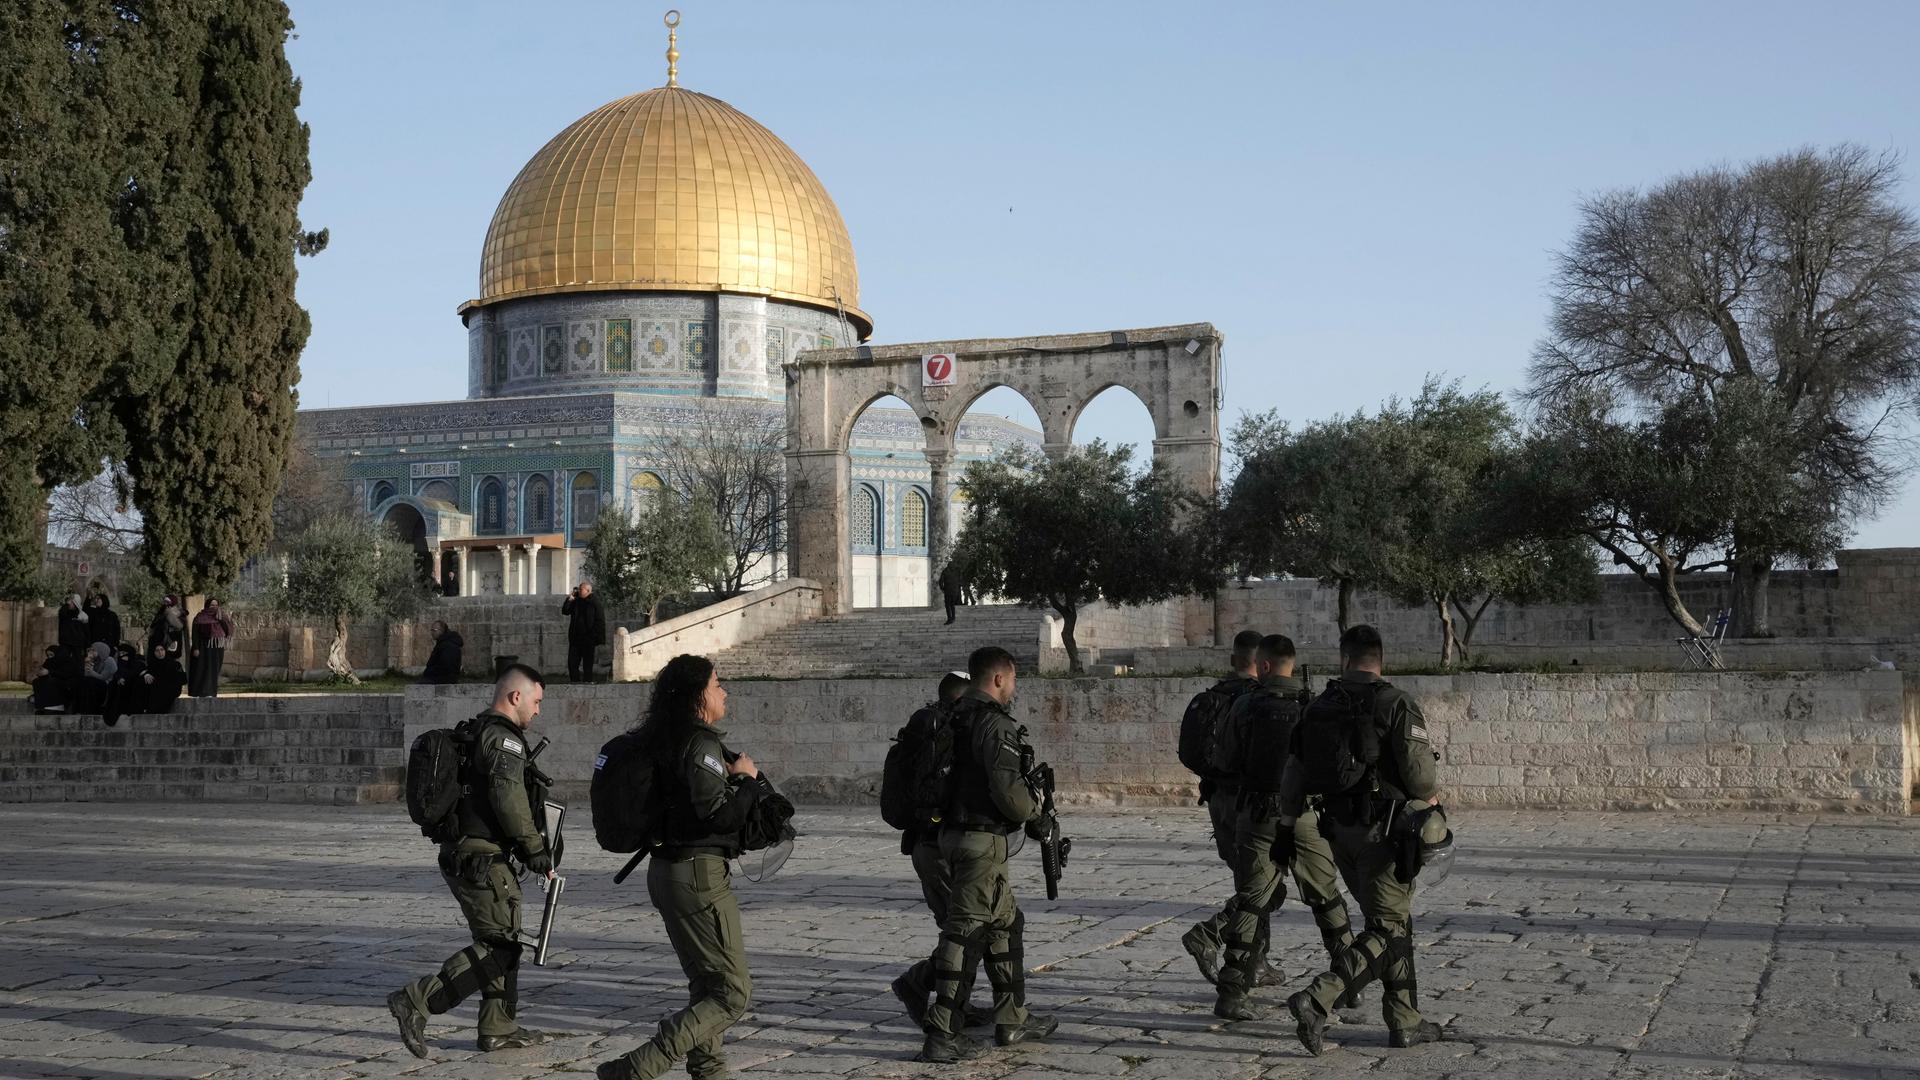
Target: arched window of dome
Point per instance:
(644, 491)
(382, 491)
(913, 520)
(865, 524)
(493, 507)
(586, 503)
(539, 504)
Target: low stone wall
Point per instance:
(640, 654)
(292, 748)
(1825, 741)
(1738, 654)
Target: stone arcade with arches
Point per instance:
(1173, 370)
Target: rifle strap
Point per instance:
(628, 869)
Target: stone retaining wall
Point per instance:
(294, 748)
(1825, 741)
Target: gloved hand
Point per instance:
(1283, 847)
(540, 862)
(1037, 829)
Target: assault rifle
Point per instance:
(1054, 847)
(549, 815)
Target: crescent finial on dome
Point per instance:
(673, 51)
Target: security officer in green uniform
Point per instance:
(496, 827)
(915, 986)
(1221, 794)
(711, 797)
(1258, 732)
(1384, 741)
(991, 799)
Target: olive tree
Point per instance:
(344, 567)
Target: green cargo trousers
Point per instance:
(489, 898)
(1223, 810)
(1384, 950)
(1260, 886)
(696, 902)
(983, 922)
(931, 868)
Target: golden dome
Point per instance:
(674, 191)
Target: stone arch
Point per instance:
(1173, 370)
(1079, 408)
(406, 518)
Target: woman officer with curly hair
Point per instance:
(716, 803)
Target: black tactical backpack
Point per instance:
(1200, 729)
(629, 801)
(917, 779)
(1336, 740)
(436, 780)
(1257, 737)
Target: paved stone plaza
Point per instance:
(251, 941)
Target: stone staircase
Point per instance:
(292, 748)
(888, 641)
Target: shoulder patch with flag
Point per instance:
(513, 746)
(715, 764)
(1417, 731)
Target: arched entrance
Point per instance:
(412, 527)
(1173, 370)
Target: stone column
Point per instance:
(506, 568)
(436, 566)
(533, 569)
(939, 544)
(1057, 450)
(466, 570)
(817, 483)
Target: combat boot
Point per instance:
(948, 1049)
(977, 1016)
(1205, 953)
(517, 1039)
(1348, 1000)
(1427, 1032)
(617, 1069)
(912, 1000)
(1309, 1023)
(1032, 1029)
(1232, 1006)
(413, 1022)
(1265, 974)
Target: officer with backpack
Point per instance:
(989, 798)
(1220, 794)
(1258, 734)
(712, 805)
(902, 806)
(1363, 747)
(491, 827)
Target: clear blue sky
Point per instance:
(1356, 196)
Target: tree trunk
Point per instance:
(337, 653)
(653, 613)
(1750, 580)
(1670, 597)
(1069, 615)
(1471, 620)
(1446, 631)
(1346, 602)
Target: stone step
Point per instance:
(312, 794)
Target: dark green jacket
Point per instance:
(498, 815)
(989, 790)
(707, 809)
(1269, 701)
(1236, 687)
(1406, 770)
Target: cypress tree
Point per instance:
(151, 168)
(208, 442)
(79, 152)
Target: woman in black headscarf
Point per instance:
(128, 691)
(54, 685)
(164, 679)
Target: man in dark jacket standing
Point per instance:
(443, 664)
(586, 630)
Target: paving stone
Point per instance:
(173, 940)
